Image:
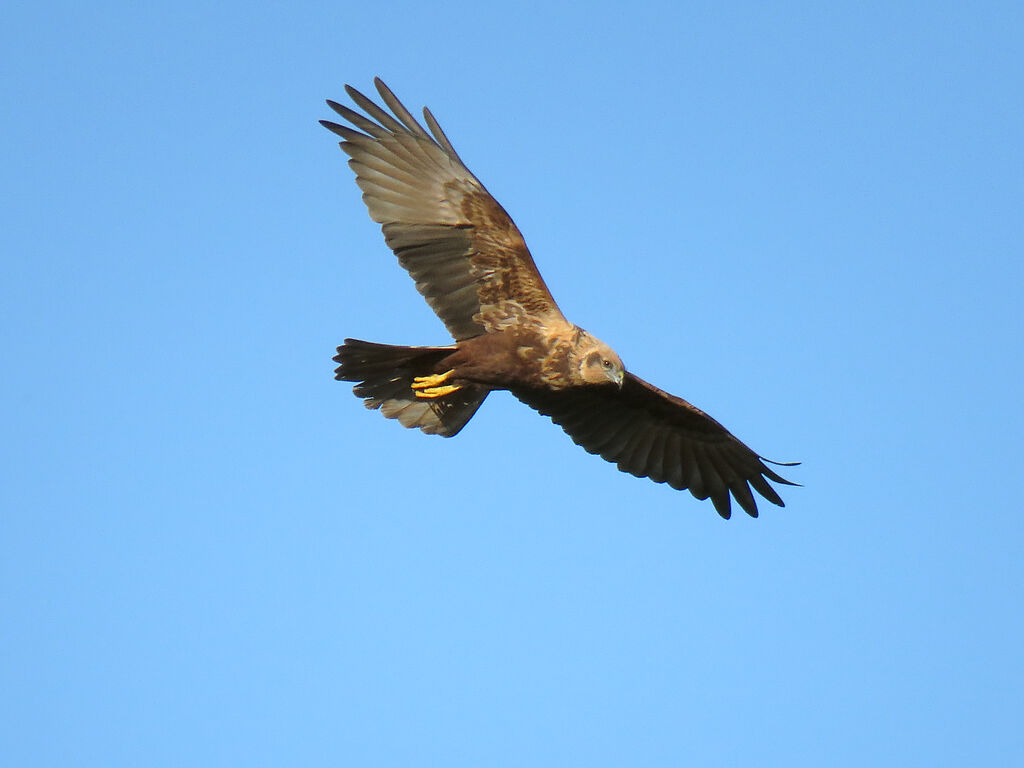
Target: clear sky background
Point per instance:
(806, 218)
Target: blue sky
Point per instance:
(805, 218)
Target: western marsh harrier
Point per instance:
(472, 266)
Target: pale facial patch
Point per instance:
(598, 363)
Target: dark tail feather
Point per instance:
(385, 375)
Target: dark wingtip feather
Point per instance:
(439, 135)
(781, 463)
(776, 477)
(762, 487)
(741, 492)
(353, 92)
(722, 504)
(382, 88)
(339, 372)
(333, 127)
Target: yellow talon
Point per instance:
(427, 382)
(436, 391)
(429, 386)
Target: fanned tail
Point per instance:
(403, 383)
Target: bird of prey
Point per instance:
(471, 264)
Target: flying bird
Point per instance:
(471, 264)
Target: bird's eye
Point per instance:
(606, 363)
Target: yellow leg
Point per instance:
(428, 386)
(437, 391)
(424, 382)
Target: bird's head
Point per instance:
(598, 363)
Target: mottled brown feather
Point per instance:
(466, 255)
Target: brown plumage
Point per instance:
(472, 266)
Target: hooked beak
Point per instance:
(619, 378)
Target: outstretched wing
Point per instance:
(650, 433)
(460, 246)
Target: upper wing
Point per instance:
(650, 433)
(460, 246)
